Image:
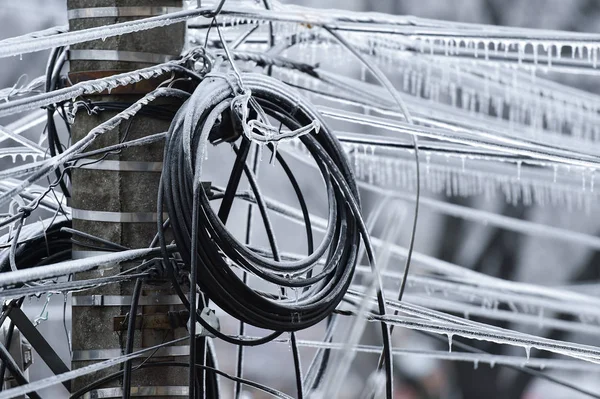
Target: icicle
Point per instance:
(527, 351)
(371, 161)
(274, 155)
(486, 53)
(449, 342)
(541, 318)
(506, 48)
(520, 52)
(548, 49)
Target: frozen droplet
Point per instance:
(274, 155)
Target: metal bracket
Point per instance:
(157, 321)
(170, 351)
(77, 254)
(104, 354)
(108, 12)
(118, 55)
(124, 300)
(115, 217)
(39, 343)
(122, 166)
(211, 318)
(162, 391)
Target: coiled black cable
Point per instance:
(213, 254)
(186, 146)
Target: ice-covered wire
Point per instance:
(263, 388)
(22, 88)
(75, 266)
(22, 140)
(474, 283)
(91, 87)
(57, 379)
(26, 44)
(59, 160)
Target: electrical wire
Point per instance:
(98, 383)
(216, 278)
(55, 63)
(182, 170)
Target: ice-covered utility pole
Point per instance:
(115, 198)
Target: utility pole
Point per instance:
(115, 199)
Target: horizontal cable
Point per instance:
(25, 44)
(57, 379)
(76, 266)
(86, 88)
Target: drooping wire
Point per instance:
(384, 81)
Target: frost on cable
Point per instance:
(508, 130)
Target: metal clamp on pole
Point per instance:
(115, 217)
(104, 354)
(164, 391)
(79, 254)
(121, 166)
(118, 55)
(116, 12)
(124, 300)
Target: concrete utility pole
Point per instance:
(116, 199)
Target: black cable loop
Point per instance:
(186, 146)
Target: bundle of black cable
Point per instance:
(48, 246)
(322, 278)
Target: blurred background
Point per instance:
(489, 250)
